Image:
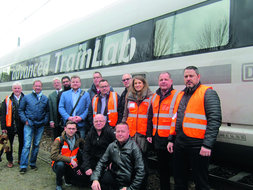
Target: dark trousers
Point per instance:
(186, 158)
(9, 155)
(108, 181)
(61, 169)
(164, 168)
(20, 131)
(57, 131)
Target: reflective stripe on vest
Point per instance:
(162, 113)
(8, 111)
(65, 151)
(137, 119)
(194, 122)
(94, 103)
(112, 107)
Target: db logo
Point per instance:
(247, 72)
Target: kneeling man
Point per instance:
(127, 168)
(64, 155)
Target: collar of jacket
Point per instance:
(191, 90)
(158, 91)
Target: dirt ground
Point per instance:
(42, 179)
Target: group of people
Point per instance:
(103, 139)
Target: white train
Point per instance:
(147, 37)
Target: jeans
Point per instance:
(81, 131)
(61, 169)
(31, 134)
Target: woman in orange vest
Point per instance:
(136, 110)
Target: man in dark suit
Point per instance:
(53, 108)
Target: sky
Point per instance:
(29, 19)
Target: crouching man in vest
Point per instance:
(64, 155)
(195, 125)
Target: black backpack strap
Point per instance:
(81, 94)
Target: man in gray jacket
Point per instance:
(194, 128)
(34, 113)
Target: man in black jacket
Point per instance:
(126, 80)
(195, 125)
(96, 143)
(11, 122)
(127, 168)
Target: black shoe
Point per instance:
(34, 168)
(22, 171)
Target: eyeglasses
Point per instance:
(127, 79)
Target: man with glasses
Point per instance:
(97, 77)
(126, 80)
(105, 103)
(65, 155)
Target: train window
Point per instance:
(118, 47)
(5, 74)
(200, 28)
(143, 33)
(68, 59)
(242, 20)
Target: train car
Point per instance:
(147, 37)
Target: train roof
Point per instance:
(119, 15)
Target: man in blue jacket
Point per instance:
(68, 101)
(34, 113)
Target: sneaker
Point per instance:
(34, 168)
(58, 187)
(22, 171)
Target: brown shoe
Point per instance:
(10, 165)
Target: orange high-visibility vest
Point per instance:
(112, 107)
(194, 122)
(8, 111)
(137, 119)
(65, 151)
(162, 113)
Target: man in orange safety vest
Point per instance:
(195, 126)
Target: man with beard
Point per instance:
(195, 126)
